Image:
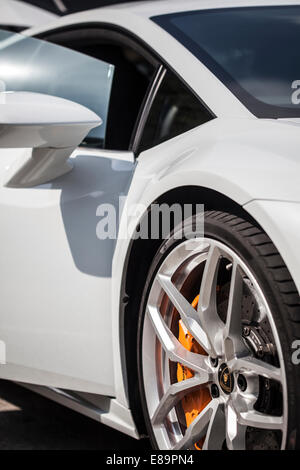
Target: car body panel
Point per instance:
(57, 276)
(244, 159)
(17, 14)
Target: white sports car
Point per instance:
(113, 122)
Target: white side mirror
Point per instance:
(53, 127)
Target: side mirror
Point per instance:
(52, 127)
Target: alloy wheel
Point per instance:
(228, 389)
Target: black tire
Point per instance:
(256, 249)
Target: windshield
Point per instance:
(29, 64)
(253, 51)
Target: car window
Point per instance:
(133, 76)
(252, 50)
(134, 69)
(30, 64)
(174, 111)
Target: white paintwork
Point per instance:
(70, 312)
(52, 127)
(18, 13)
(120, 155)
(20, 108)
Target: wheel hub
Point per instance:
(226, 380)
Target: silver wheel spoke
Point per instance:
(216, 430)
(259, 420)
(174, 349)
(234, 344)
(235, 432)
(191, 249)
(188, 314)
(257, 366)
(198, 428)
(207, 307)
(173, 395)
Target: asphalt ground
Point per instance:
(29, 421)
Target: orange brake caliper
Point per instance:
(194, 402)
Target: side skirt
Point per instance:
(106, 410)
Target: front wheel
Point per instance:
(218, 318)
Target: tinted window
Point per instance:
(174, 111)
(252, 50)
(133, 74)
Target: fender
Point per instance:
(205, 157)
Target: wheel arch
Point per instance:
(134, 277)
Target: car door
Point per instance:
(55, 271)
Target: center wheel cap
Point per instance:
(226, 380)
